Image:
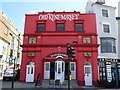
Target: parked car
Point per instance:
(8, 73)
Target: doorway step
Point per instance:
(46, 82)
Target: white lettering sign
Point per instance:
(53, 55)
(54, 17)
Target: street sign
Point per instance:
(10, 60)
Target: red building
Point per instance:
(46, 35)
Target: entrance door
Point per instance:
(30, 72)
(52, 70)
(59, 70)
(88, 74)
(47, 70)
(66, 70)
(73, 69)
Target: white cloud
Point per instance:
(33, 12)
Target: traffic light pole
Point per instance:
(70, 54)
(69, 72)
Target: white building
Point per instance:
(107, 38)
(118, 22)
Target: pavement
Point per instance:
(6, 85)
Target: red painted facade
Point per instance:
(51, 42)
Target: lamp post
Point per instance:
(12, 86)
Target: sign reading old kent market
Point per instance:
(54, 17)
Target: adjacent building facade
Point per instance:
(46, 35)
(118, 24)
(10, 40)
(109, 63)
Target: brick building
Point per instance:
(46, 35)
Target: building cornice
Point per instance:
(56, 45)
(65, 33)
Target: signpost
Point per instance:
(12, 86)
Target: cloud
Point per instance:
(33, 12)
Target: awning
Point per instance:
(1, 56)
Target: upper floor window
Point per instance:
(32, 40)
(105, 13)
(60, 27)
(86, 40)
(6, 31)
(108, 45)
(106, 28)
(3, 49)
(78, 27)
(41, 27)
(13, 42)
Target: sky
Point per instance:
(15, 10)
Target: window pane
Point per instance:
(108, 45)
(13, 43)
(72, 67)
(31, 70)
(41, 27)
(28, 70)
(105, 13)
(87, 70)
(59, 68)
(78, 27)
(60, 27)
(101, 64)
(6, 31)
(47, 67)
(106, 28)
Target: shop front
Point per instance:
(109, 72)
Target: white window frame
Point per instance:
(108, 27)
(106, 13)
(103, 46)
(6, 31)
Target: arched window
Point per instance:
(87, 63)
(31, 63)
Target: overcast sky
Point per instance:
(16, 9)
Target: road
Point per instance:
(6, 85)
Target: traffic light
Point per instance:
(70, 51)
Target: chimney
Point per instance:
(100, 1)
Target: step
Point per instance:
(65, 83)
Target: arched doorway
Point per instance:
(88, 73)
(59, 69)
(50, 66)
(30, 72)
